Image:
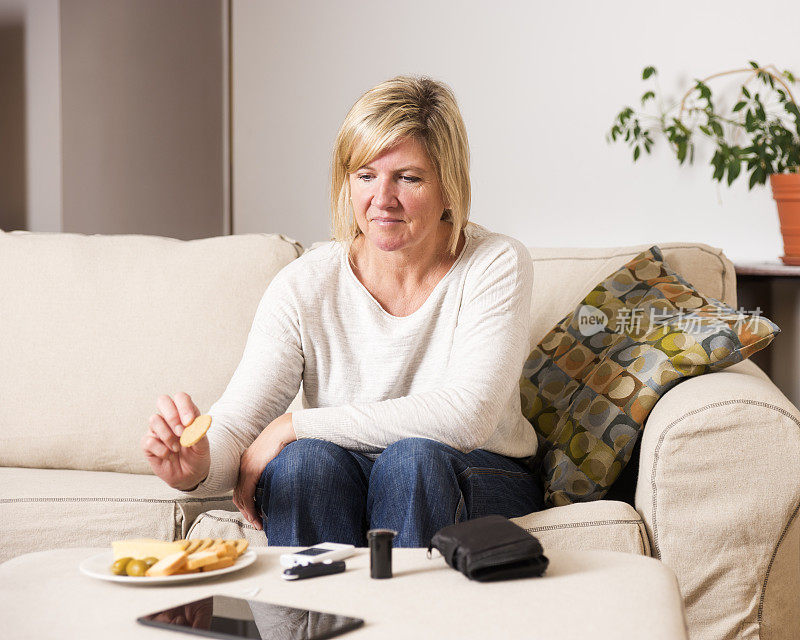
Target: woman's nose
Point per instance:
(385, 195)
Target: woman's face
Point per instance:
(397, 197)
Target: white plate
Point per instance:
(99, 566)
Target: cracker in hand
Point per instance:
(195, 431)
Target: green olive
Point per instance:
(119, 566)
(150, 561)
(136, 568)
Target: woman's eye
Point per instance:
(368, 177)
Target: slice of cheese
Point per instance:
(201, 559)
(224, 549)
(168, 565)
(146, 548)
(222, 563)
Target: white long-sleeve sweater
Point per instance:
(449, 371)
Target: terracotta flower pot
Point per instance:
(786, 191)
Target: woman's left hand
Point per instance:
(265, 447)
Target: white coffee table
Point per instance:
(586, 594)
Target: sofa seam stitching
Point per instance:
(663, 435)
(191, 527)
(219, 519)
(714, 405)
(769, 566)
(593, 523)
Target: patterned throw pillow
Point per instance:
(589, 385)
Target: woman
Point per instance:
(408, 331)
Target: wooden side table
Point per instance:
(774, 288)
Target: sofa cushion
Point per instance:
(222, 523)
(604, 524)
(49, 508)
(589, 385)
(104, 324)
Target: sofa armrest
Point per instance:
(719, 491)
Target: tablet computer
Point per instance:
(237, 618)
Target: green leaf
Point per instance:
(754, 64)
(636, 153)
(647, 72)
(705, 130)
(716, 162)
(717, 127)
(683, 127)
(745, 92)
(789, 76)
(753, 180)
(648, 96)
(705, 92)
(733, 171)
(791, 107)
(739, 106)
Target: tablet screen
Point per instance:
(235, 618)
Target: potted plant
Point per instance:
(761, 133)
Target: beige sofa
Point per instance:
(94, 328)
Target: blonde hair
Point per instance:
(402, 107)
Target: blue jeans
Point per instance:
(315, 491)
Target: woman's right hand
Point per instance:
(180, 467)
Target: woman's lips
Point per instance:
(386, 223)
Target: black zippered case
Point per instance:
(490, 548)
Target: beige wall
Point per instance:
(30, 127)
(143, 113)
(137, 91)
(539, 84)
